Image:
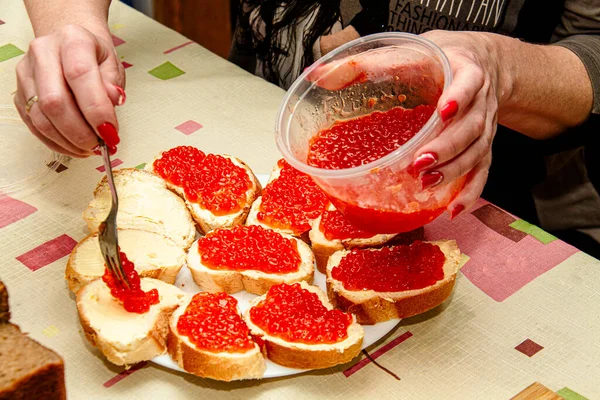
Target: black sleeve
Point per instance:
(373, 17)
(579, 31)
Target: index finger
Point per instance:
(80, 62)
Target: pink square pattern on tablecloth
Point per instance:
(114, 163)
(498, 266)
(126, 64)
(48, 252)
(529, 348)
(177, 47)
(378, 353)
(188, 127)
(13, 210)
(1, 22)
(117, 41)
(124, 374)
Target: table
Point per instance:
(526, 306)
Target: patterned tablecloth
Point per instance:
(526, 306)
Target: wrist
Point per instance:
(502, 72)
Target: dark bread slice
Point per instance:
(28, 369)
(4, 310)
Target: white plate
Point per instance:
(186, 283)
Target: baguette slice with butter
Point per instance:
(154, 256)
(123, 337)
(371, 307)
(145, 203)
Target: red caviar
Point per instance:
(335, 226)
(211, 180)
(291, 200)
(391, 269)
(297, 315)
(212, 322)
(134, 299)
(249, 248)
(362, 140)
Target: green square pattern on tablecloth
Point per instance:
(9, 51)
(166, 71)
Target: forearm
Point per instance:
(542, 90)
(47, 16)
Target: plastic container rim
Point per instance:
(282, 125)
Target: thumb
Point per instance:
(113, 77)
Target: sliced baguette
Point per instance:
(252, 281)
(222, 366)
(127, 338)
(307, 356)
(371, 307)
(205, 219)
(145, 203)
(154, 256)
(323, 247)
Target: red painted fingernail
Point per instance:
(122, 95)
(431, 179)
(112, 150)
(109, 134)
(96, 150)
(449, 110)
(424, 161)
(456, 210)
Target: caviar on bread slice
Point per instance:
(332, 232)
(290, 202)
(392, 282)
(208, 337)
(297, 327)
(217, 188)
(249, 258)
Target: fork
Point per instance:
(107, 231)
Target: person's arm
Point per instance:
(542, 90)
(48, 16)
(70, 79)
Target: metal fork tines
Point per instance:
(107, 231)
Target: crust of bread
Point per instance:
(308, 356)
(205, 220)
(255, 282)
(153, 344)
(371, 307)
(98, 208)
(76, 279)
(220, 366)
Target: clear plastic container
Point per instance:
(382, 196)
(25, 163)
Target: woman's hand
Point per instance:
(468, 107)
(78, 79)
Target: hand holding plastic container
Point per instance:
(354, 121)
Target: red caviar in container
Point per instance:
(391, 269)
(212, 322)
(249, 248)
(337, 227)
(361, 140)
(134, 299)
(291, 200)
(211, 180)
(297, 315)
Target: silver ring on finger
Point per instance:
(32, 100)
